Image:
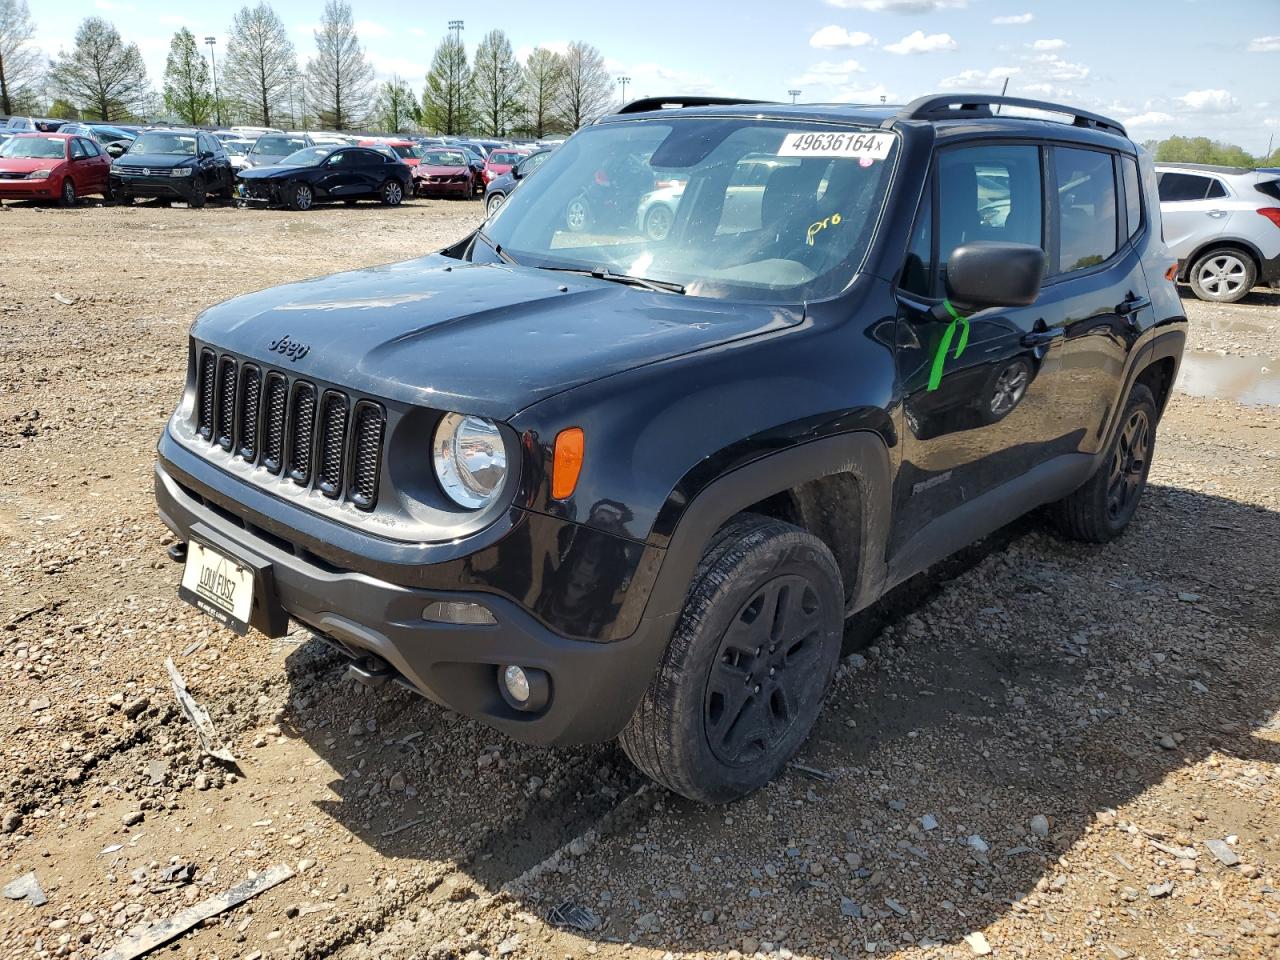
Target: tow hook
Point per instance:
(177, 552)
(371, 671)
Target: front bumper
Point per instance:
(178, 188)
(425, 188)
(29, 189)
(594, 686)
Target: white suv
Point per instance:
(1223, 225)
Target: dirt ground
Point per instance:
(1042, 749)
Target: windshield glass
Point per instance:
(279, 146)
(307, 157)
(403, 150)
(42, 148)
(443, 158)
(749, 208)
(181, 144)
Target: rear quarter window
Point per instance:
(1270, 188)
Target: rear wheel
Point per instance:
(577, 215)
(1101, 509)
(392, 193)
(742, 680)
(1224, 275)
(493, 203)
(67, 196)
(657, 222)
(300, 197)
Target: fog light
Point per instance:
(517, 682)
(456, 611)
(526, 689)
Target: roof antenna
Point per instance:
(1003, 91)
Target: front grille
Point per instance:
(287, 427)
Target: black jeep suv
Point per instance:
(579, 483)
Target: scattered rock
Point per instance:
(1040, 826)
(397, 783)
(1224, 854)
(10, 822)
(1158, 890)
(978, 844)
(928, 822)
(849, 908)
(133, 818)
(135, 708)
(27, 888)
(978, 943)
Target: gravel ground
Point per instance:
(1041, 749)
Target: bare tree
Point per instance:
(543, 78)
(186, 80)
(102, 76)
(587, 89)
(395, 107)
(447, 97)
(20, 66)
(260, 57)
(498, 83)
(339, 79)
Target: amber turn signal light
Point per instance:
(568, 462)
(1172, 272)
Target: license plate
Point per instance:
(219, 585)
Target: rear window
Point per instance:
(1269, 187)
(1086, 208)
(279, 145)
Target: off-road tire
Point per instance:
(1090, 513)
(669, 735)
(1224, 275)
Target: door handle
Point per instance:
(1041, 338)
(1217, 214)
(1132, 305)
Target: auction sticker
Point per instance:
(860, 146)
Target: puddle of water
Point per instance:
(1251, 380)
(1231, 325)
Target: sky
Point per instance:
(1191, 67)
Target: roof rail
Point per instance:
(645, 104)
(965, 105)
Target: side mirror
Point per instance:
(989, 273)
(517, 173)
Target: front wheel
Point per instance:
(67, 196)
(1223, 276)
(197, 194)
(300, 197)
(1101, 509)
(493, 203)
(577, 215)
(741, 682)
(392, 193)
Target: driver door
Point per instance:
(338, 176)
(979, 419)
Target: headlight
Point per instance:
(180, 172)
(470, 459)
(40, 174)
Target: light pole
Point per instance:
(455, 27)
(213, 65)
(292, 76)
(623, 81)
(794, 94)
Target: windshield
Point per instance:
(504, 156)
(41, 148)
(403, 150)
(181, 144)
(749, 208)
(279, 146)
(308, 157)
(443, 158)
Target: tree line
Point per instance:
(1204, 150)
(259, 80)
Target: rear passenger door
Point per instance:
(1191, 206)
(1096, 285)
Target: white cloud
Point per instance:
(1050, 66)
(896, 6)
(980, 80)
(417, 31)
(832, 37)
(1054, 44)
(1013, 20)
(1152, 118)
(825, 73)
(1210, 101)
(854, 94)
(1265, 45)
(918, 42)
(403, 67)
(371, 28)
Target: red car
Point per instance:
(405, 150)
(500, 162)
(53, 166)
(444, 172)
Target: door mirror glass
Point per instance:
(991, 273)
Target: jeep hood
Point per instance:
(488, 339)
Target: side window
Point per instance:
(1177, 187)
(91, 148)
(917, 272)
(989, 193)
(340, 159)
(1132, 194)
(1216, 189)
(77, 150)
(1086, 190)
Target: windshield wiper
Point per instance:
(647, 283)
(497, 248)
